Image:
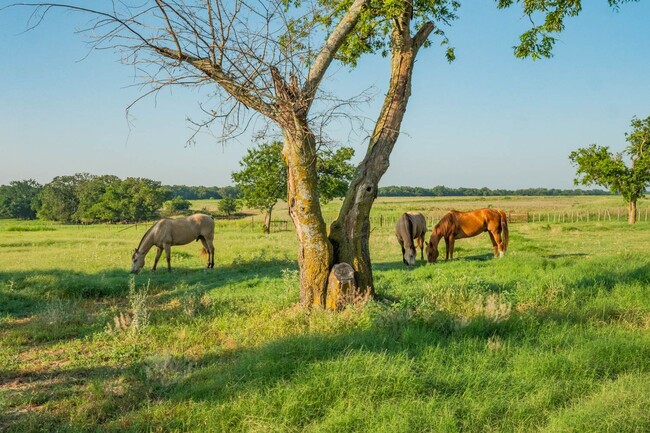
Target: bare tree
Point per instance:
(267, 57)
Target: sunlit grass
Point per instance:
(554, 337)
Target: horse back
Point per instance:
(204, 225)
(419, 223)
(184, 230)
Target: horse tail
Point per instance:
(504, 227)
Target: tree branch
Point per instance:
(327, 53)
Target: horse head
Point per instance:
(137, 261)
(409, 255)
(432, 252)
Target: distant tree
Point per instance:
(262, 179)
(177, 204)
(228, 205)
(20, 199)
(596, 165)
(133, 199)
(89, 193)
(334, 172)
(229, 191)
(59, 199)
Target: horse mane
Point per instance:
(446, 224)
(145, 235)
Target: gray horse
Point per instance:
(411, 225)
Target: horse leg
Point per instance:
(209, 250)
(211, 253)
(499, 241)
(155, 261)
(168, 256)
(450, 249)
(421, 245)
(494, 244)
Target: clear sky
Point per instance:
(486, 119)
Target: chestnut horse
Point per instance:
(167, 232)
(411, 225)
(457, 225)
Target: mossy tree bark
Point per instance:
(350, 233)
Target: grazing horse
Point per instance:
(457, 225)
(411, 225)
(167, 232)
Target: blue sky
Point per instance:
(486, 119)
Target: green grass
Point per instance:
(552, 338)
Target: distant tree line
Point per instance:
(87, 198)
(203, 192)
(443, 191)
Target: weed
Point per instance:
(138, 303)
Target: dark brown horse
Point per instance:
(411, 225)
(457, 225)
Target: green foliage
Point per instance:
(87, 198)
(20, 199)
(89, 194)
(262, 178)
(201, 192)
(334, 172)
(59, 200)
(228, 205)
(177, 204)
(372, 33)
(596, 165)
(539, 40)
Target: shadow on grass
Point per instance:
(107, 395)
(560, 256)
(97, 398)
(25, 292)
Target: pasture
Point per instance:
(555, 337)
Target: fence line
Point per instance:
(255, 223)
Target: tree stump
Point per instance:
(341, 287)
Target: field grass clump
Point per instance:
(552, 338)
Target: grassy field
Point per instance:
(555, 337)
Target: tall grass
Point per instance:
(552, 338)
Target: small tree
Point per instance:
(263, 177)
(596, 165)
(177, 204)
(228, 205)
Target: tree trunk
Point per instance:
(631, 212)
(315, 250)
(267, 221)
(350, 233)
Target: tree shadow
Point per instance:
(559, 256)
(226, 375)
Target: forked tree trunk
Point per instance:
(631, 212)
(350, 233)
